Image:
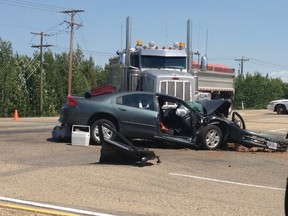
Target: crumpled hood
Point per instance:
(219, 106)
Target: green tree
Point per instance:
(53, 85)
(80, 84)
(20, 80)
(13, 92)
(56, 81)
(255, 91)
(27, 69)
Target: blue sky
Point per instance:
(253, 29)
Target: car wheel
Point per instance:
(281, 109)
(210, 137)
(108, 134)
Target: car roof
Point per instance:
(116, 94)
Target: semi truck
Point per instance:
(167, 69)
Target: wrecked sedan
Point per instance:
(156, 116)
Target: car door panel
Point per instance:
(134, 119)
(136, 122)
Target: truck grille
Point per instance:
(178, 88)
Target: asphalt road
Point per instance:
(37, 170)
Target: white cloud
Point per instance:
(283, 75)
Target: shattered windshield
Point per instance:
(163, 62)
(196, 106)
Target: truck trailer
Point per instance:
(216, 80)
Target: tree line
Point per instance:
(20, 82)
(255, 91)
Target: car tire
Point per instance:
(281, 109)
(108, 134)
(210, 137)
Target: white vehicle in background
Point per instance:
(278, 106)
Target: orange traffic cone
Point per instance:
(16, 115)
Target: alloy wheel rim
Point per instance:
(106, 133)
(212, 138)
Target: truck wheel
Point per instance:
(210, 137)
(108, 134)
(281, 109)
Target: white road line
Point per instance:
(226, 182)
(53, 207)
(280, 129)
(267, 120)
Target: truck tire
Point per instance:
(210, 137)
(281, 109)
(108, 134)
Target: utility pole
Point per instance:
(72, 13)
(241, 62)
(41, 67)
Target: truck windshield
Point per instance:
(163, 62)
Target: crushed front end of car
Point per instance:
(250, 139)
(234, 130)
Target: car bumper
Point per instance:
(72, 116)
(270, 107)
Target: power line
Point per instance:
(241, 62)
(41, 66)
(91, 52)
(253, 61)
(30, 64)
(268, 63)
(54, 27)
(31, 5)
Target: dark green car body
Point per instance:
(139, 115)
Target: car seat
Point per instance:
(113, 151)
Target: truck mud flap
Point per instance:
(122, 152)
